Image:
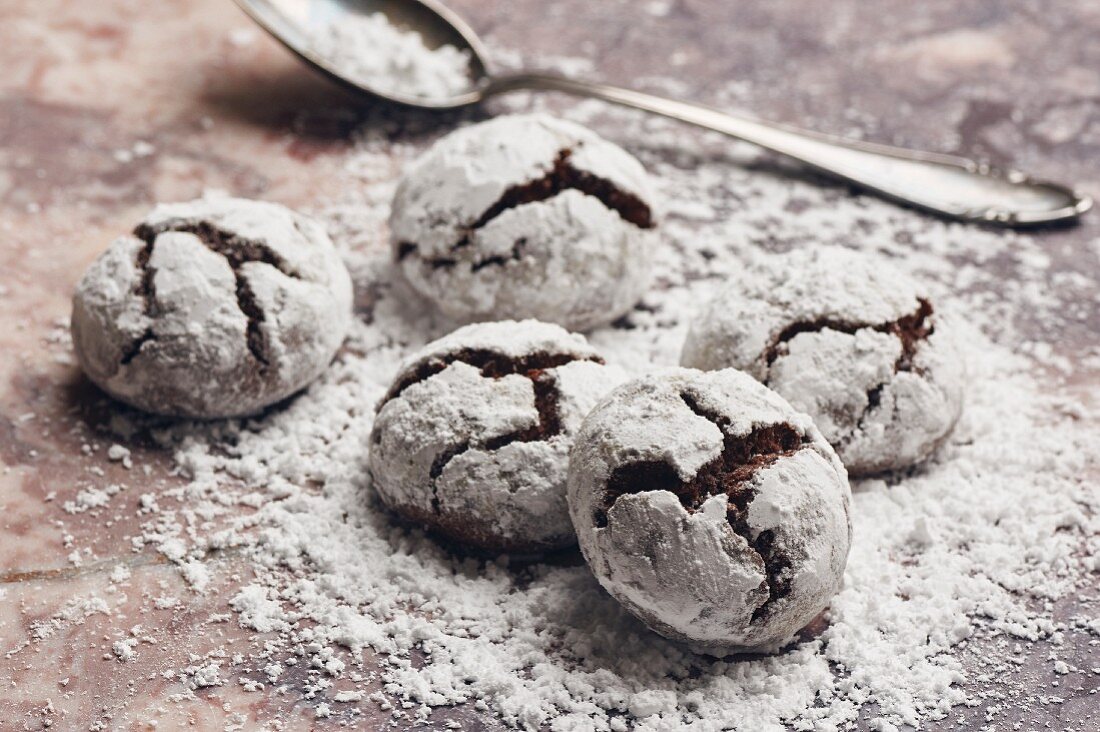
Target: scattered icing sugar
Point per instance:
(954, 568)
(369, 49)
(124, 649)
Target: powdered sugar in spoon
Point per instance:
(951, 186)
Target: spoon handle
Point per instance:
(951, 186)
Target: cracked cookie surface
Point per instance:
(847, 339)
(472, 439)
(526, 216)
(212, 308)
(710, 508)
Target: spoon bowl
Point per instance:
(296, 23)
(946, 185)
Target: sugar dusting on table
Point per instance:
(979, 544)
(371, 50)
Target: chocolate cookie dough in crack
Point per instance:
(472, 439)
(526, 216)
(710, 508)
(849, 340)
(217, 307)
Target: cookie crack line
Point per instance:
(548, 425)
(562, 176)
(910, 329)
(237, 251)
(146, 290)
(536, 367)
(492, 364)
(729, 473)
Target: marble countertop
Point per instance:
(110, 106)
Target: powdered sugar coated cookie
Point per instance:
(526, 216)
(849, 340)
(710, 508)
(472, 439)
(213, 308)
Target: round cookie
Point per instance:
(472, 439)
(526, 216)
(217, 307)
(710, 508)
(847, 339)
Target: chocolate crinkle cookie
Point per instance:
(472, 439)
(849, 340)
(217, 307)
(712, 509)
(526, 216)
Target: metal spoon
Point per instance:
(951, 186)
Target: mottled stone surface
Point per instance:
(1017, 81)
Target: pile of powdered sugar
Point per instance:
(973, 548)
(369, 49)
